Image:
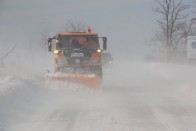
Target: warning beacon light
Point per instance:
(89, 29)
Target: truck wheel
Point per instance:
(98, 71)
(56, 69)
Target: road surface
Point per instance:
(138, 97)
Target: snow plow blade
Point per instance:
(89, 80)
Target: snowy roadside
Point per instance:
(8, 81)
(16, 101)
(139, 96)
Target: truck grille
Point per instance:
(77, 57)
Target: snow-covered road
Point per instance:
(138, 97)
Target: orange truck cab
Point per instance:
(77, 52)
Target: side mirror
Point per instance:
(49, 44)
(104, 43)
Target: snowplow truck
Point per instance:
(77, 57)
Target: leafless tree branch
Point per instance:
(5, 55)
(173, 23)
(73, 26)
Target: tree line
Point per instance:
(175, 24)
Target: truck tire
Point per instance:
(56, 69)
(98, 71)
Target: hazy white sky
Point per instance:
(128, 24)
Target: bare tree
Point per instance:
(194, 6)
(4, 56)
(73, 26)
(173, 24)
(193, 20)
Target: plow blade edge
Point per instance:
(89, 80)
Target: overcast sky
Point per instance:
(128, 24)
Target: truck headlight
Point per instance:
(99, 50)
(56, 51)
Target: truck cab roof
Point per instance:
(78, 34)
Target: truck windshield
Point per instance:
(78, 42)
